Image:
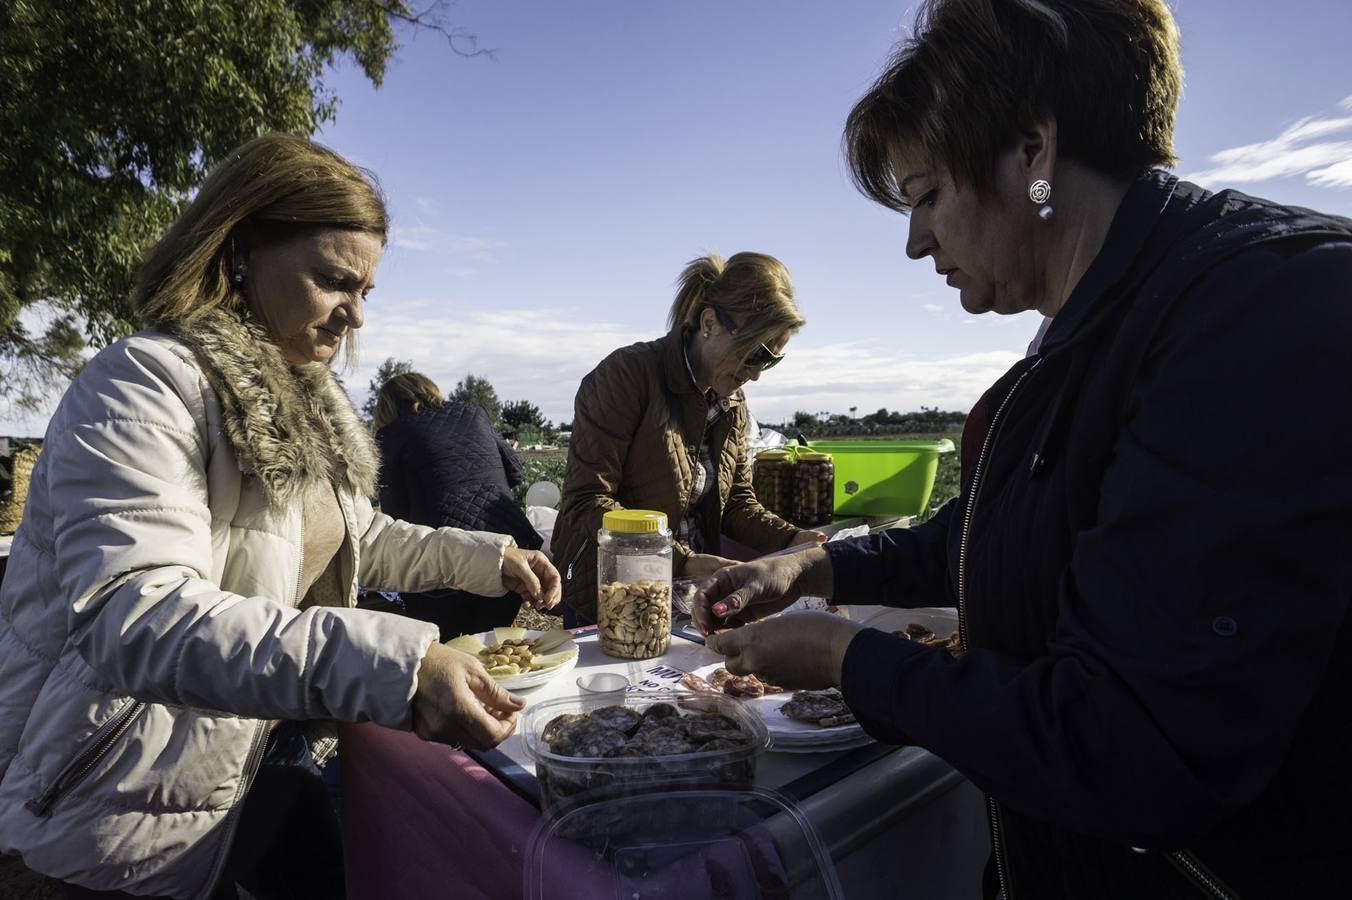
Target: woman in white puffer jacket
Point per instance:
(185, 575)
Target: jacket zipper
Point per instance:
(568, 574)
(231, 818)
(1201, 878)
(300, 569)
(259, 743)
(992, 809)
(98, 747)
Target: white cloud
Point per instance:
(542, 355)
(1337, 175)
(1305, 148)
(871, 375)
(429, 238)
(933, 307)
(527, 354)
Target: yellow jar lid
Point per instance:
(813, 456)
(775, 455)
(634, 521)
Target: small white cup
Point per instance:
(602, 682)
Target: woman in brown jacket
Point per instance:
(662, 425)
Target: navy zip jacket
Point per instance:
(1152, 559)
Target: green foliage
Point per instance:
(878, 424)
(480, 392)
(527, 422)
(948, 475)
(112, 111)
(388, 369)
(548, 466)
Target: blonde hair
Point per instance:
(403, 393)
(752, 289)
(271, 189)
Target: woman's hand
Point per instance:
(750, 591)
(807, 537)
(458, 703)
(530, 574)
(800, 650)
(702, 565)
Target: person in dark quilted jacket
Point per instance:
(442, 464)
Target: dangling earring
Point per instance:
(1040, 192)
(241, 267)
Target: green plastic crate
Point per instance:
(883, 478)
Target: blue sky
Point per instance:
(546, 199)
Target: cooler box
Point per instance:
(883, 478)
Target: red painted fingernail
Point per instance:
(721, 609)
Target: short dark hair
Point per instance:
(975, 73)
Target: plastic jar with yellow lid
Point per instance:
(633, 583)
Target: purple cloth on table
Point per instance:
(422, 820)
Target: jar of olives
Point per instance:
(814, 486)
(772, 480)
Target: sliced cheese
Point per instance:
(508, 633)
(466, 643)
(549, 640)
(553, 659)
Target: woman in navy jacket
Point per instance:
(1153, 585)
(442, 464)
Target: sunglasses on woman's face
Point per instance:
(762, 357)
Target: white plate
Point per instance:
(863, 740)
(790, 734)
(533, 679)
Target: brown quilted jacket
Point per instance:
(638, 423)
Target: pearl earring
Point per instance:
(1040, 192)
(238, 277)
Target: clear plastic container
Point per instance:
(814, 485)
(633, 583)
(772, 480)
(563, 777)
(686, 844)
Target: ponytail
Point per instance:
(693, 288)
(751, 289)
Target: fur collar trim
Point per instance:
(292, 426)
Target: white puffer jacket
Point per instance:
(149, 628)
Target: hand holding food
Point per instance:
(530, 574)
(800, 650)
(458, 703)
(750, 591)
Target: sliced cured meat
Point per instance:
(817, 708)
(692, 682)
